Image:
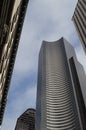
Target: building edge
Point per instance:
(13, 55)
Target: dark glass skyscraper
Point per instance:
(12, 13)
(79, 19)
(61, 93)
(26, 121)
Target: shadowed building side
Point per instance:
(26, 121)
(12, 13)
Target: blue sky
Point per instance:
(45, 20)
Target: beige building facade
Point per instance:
(11, 21)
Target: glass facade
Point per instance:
(57, 107)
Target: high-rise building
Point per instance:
(26, 121)
(79, 19)
(12, 14)
(61, 88)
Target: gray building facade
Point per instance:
(61, 93)
(79, 19)
(26, 121)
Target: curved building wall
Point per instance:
(57, 106)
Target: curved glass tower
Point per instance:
(58, 104)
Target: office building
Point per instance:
(79, 19)
(26, 121)
(61, 88)
(12, 14)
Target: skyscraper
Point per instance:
(26, 121)
(61, 88)
(79, 19)
(12, 14)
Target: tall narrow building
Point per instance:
(12, 14)
(26, 121)
(79, 19)
(61, 88)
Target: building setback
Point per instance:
(26, 121)
(12, 13)
(79, 19)
(61, 92)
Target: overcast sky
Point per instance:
(45, 20)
